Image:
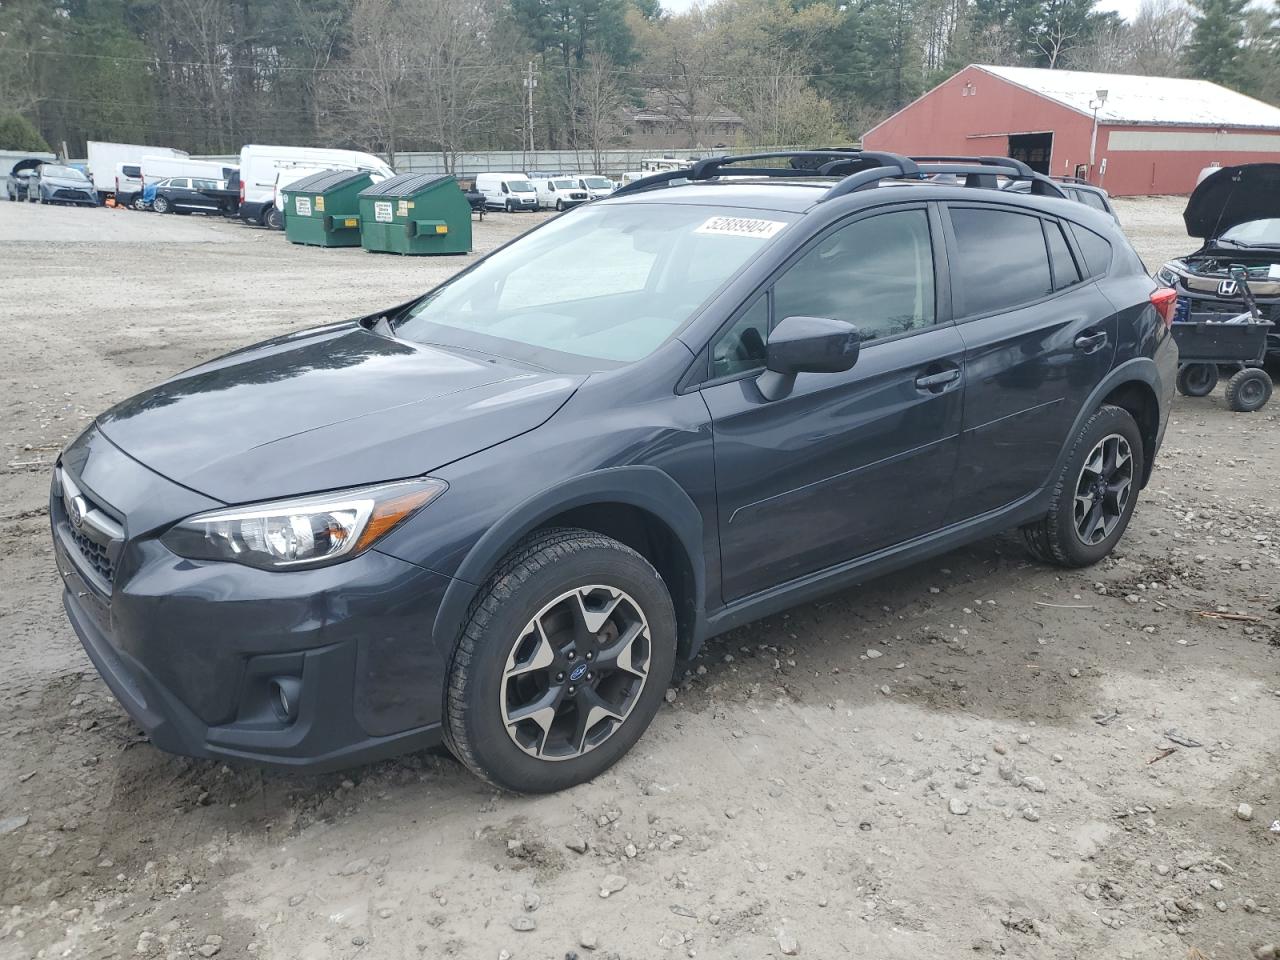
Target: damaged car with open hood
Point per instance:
(1236, 212)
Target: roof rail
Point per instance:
(859, 168)
(830, 162)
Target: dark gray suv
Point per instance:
(502, 515)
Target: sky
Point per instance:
(1126, 8)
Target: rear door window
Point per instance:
(1091, 199)
(1000, 261)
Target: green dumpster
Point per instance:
(418, 213)
(323, 209)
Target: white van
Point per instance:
(507, 191)
(560, 192)
(597, 187)
(156, 168)
(128, 185)
(261, 168)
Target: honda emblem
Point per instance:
(1227, 288)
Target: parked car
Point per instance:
(20, 177)
(1235, 211)
(498, 516)
(597, 187)
(60, 183)
(560, 193)
(1079, 190)
(507, 191)
(185, 195)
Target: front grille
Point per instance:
(95, 555)
(91, 528)
(68, 194)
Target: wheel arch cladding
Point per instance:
(1137, 397)
(639, 506)
(1134, 385)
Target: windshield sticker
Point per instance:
(741, 227)
(382, 211)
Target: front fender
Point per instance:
(646, 488)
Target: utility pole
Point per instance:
(530, 82)
(1095, 106)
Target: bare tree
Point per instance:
(680, 66)
(374, 99)
(600, 98)
(455, 73)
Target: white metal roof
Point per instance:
(1150, 100)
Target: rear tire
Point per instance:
(547, 638)
(1095, 494)
(1197, 379)
(1249, 390)
(273, 219)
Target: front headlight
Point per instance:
(306, 531)
(1167, 276)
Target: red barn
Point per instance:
(1152, 134)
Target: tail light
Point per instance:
(242, 191)
(1165, 300)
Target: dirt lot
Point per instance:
(978, 756)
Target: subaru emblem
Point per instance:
(1227, 288)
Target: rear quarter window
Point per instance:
(1095, 249)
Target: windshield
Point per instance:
(1255, 233)
(565, 184)
(598, 183)
(57, 170)
(606, 283)
(520, 186)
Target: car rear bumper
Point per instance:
(196, 652)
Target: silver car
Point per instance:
(58, 183)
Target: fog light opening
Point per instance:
(285, 693)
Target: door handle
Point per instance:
(1089, 342)
(932, 381)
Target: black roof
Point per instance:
(405, 185)
(326, 180)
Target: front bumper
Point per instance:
(194, 651)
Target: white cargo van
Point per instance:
(261, 168)
(560, 192)
(507, 191)
(597, 187)
(104, 159)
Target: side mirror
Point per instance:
(806, 345)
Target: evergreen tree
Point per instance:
(1214, 51)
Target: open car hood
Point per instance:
(30, 163)
(1232, 196)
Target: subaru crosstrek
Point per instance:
(501, 515)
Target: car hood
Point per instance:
(1231, 196)
(30, 163)
(66, 182)
(333, 407)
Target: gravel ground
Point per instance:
(976, 756)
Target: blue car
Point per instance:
(503, 516)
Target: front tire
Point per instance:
(1094, 495)
(1249, 390)
(564, 661)
(161, 205)
(273, 219)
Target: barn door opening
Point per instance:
(1033, 149)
